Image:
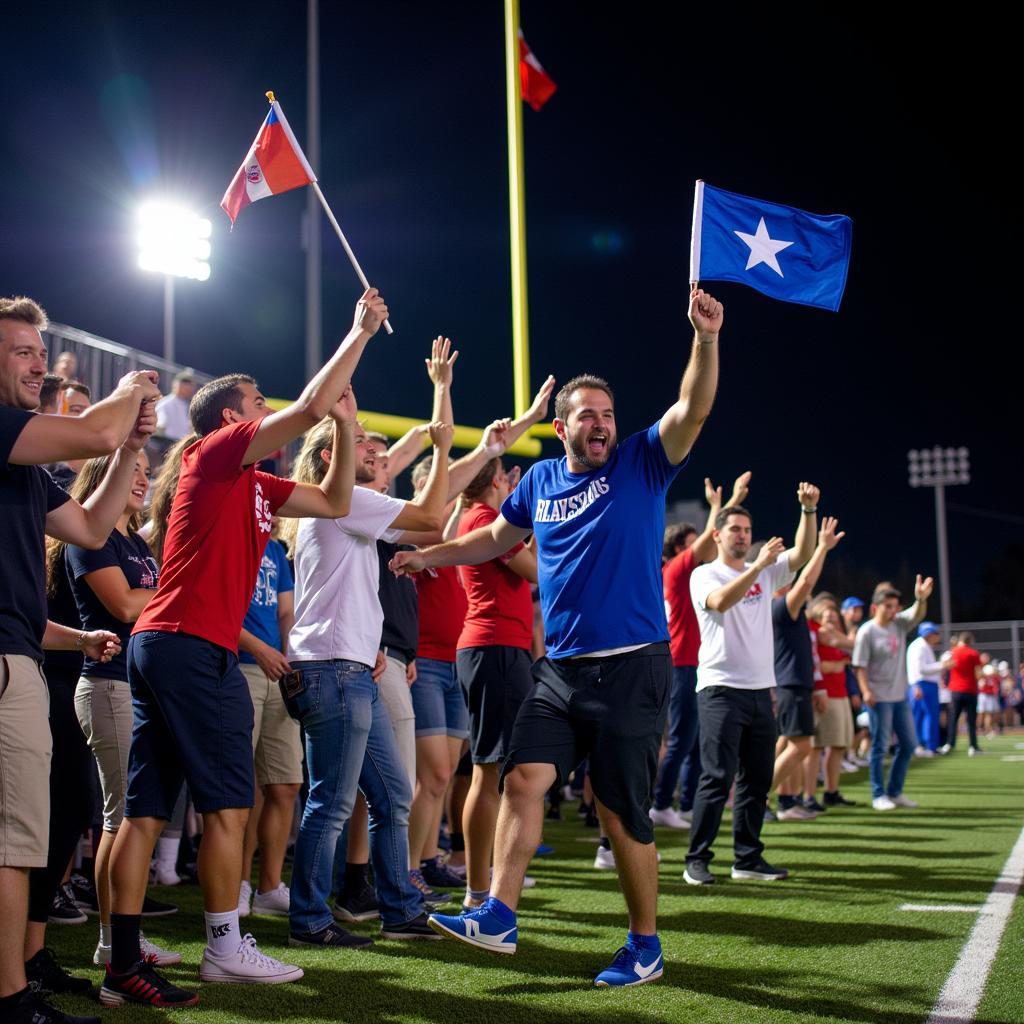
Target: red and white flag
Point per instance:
(275, 163)
(536, 84)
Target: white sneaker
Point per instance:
(945, 748)
(604, 860)
(150, 951)
(246, 966)
(973, 752)
(274, 903)
(244, 900)
(668, 816)
(795, 813)
(903, 801)
(529, 882)
(883, 803)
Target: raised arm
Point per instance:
(321, 394)
(801, 590)
(682, 422)
(479, 546)
(704, 545)
(916, 612)
(101, 429)
(722, 599)
(426, 511)
(807, 528)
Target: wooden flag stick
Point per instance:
(344, 244)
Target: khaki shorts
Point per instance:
(276, 743)
(25, 749)
(834, 727)
(104, 710)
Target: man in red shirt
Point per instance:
(964, 671)
(688, 550)
(193, 712)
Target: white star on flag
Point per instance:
(763, 248)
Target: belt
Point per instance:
(398, 653)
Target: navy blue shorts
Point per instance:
(193, 722)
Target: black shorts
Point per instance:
(795, 711)
(496, 681)
(611, 709)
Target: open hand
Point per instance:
(769, 554)
(923, 588)
(371, 312)
(539, 409)
(706, 313)
(441, 361)
(741, 488)
(712, 494)
(494, 435)
(827, 536)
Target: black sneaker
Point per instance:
(697, 873)
(417, 928)
(812, 805)
(357, 906)
(47, 977)
(554, 813)
(85, 894)
(332, 936)
(154, 908)
(141, 984)
(837, 799)
(32, 1009)
(761, 871)
(63, 909)
(438, 875)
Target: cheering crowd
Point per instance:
(224, 642)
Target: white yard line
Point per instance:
(947, 908)
(961, 995)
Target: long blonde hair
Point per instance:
(309, 468)
(164, 489)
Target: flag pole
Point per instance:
(315, 186)
(695, 232)
(517, 212)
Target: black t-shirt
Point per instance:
(27, 495)
(132, 556)
(400, 604)
(794, 661)
(63, 667)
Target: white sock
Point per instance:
(222, 932)
(104, 934)
(167, 851)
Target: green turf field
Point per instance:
(828, 944)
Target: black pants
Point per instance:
(737, 740)
(961, 702)
(70, 795)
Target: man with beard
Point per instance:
(598, 518)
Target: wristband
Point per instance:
(808, 511)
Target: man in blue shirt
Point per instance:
(598, 517)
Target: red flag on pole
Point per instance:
(535, 82)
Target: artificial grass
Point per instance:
(830, 943)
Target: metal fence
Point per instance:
(1000, 640)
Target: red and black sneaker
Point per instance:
(141, 984)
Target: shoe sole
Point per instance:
(350, 918)
(233, 979)
(757, 876)
(110, 998)
(67, 920)
(690, 880)
(603, 867)
(506, 947)
(262, 912)
(630, 984)
(302, 944)
(409, 935)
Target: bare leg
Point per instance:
(14, 914)
(220, 858)
(796, 749)
(358, 851)
(275, 823)
(637, 865)
(520, 824)
(833, 766)
(478, 821)
(252, 836)
(457, 794)
(433, 772)
(129, 863)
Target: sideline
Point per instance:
(961, 995)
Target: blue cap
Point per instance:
(851, 602)
(927, 629)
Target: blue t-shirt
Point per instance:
(599, 538)
(132, 556)
(273, 578)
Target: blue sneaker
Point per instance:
(487, 927)
(632, 966)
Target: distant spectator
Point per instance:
(172, 419)
(48, 392)
(964, 670)
(924, 673)
(66, 365)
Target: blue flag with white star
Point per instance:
(781, 251)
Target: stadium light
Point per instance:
(174, 242)
(940, 468)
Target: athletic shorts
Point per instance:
(276, 739)
(988, 704)
(193, 722)
(438, 700)
(496, 681)
(834, 727)
(795, 711)
(614, 710)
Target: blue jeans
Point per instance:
(926, 714)
(349, 745)
(683, 726)
(885, 718)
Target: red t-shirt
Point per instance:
(835, 682)
(961, 671)
(989, 684)
(218, 529)
(500, 611)
(683, 629)
(443, 607)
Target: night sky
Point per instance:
(905, 129)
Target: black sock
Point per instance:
(458, 842)
(8, 1003)
(830, 793)
(356, 877)
(603, 843)
(786, 801)
(124, 941)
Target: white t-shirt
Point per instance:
(922, 663)
(172, 417)
(337, 610)
(737, 646)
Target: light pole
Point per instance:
(940, 468)
(176, 243)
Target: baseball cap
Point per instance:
(927, 629)
(851, 602)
